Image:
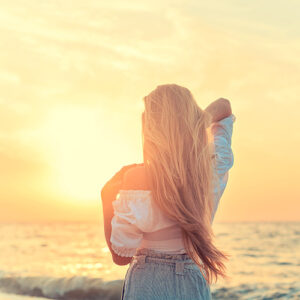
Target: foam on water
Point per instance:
(77, 287)
(84, 288)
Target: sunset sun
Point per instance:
(76, 140)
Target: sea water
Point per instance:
(72, 261)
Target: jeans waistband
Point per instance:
(180, 261)
(158, 254)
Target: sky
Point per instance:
(73, 75)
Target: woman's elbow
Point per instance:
(226, 106)
(120, 260)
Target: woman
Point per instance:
(158, 214)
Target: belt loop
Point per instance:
(179, 267)
(141, 259)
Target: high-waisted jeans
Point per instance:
(154, 275)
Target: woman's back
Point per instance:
(139, 223)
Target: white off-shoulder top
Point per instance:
(139, 223)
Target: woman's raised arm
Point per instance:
(219, 109)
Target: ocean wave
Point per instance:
(258, 291)
(72, 288)
(86, 288)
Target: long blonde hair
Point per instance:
(179, 163)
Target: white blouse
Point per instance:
(139, 223)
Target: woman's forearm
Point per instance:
(108, 196)
(109, 193)
(219, 109)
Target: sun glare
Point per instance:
(76, 138)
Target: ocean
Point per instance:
(71, 261)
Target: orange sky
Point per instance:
(72, 79)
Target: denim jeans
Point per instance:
(154, 275)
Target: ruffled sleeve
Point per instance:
(223, 154)
(129, 215)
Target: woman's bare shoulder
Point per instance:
(135, 179)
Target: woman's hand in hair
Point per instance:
(219, 109)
